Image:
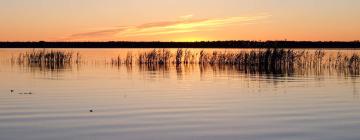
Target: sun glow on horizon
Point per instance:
(190, 39)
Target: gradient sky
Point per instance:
(179, 20)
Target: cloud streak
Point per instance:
(185, 25)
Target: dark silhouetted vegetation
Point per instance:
(270, 60)
(259, 59)
(201, 44)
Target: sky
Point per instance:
(179, 20)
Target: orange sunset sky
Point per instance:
(179, 20)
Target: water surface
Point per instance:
(177, 102)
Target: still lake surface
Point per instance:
(174, 102)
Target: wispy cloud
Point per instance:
(99, 33)
(186, 17)
(185, 25)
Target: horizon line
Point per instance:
(285, 40)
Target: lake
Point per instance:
(100, 98)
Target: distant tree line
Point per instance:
(202, 44)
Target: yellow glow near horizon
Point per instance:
(190, 39)
(185, 28)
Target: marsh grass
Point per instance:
(48, 59)
(272, 60)
(269, 56)
(255, 59)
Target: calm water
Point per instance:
(175, 102)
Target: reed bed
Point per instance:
(264, 58)
(255, 60)
(261, 58)
(272, 60)
(258, 58)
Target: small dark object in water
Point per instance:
(28, 93)
(91, 110)
(12, 91)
